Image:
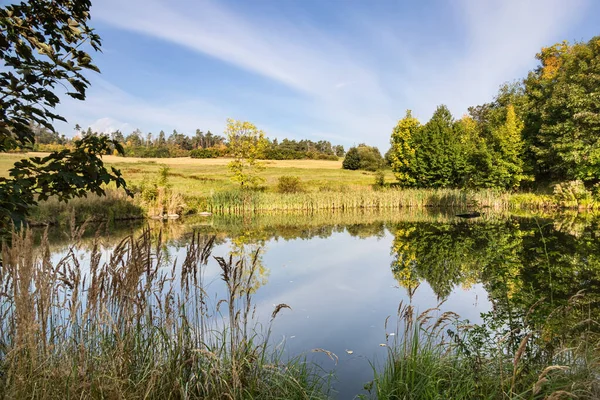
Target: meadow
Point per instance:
(197, 177)
(186, 186)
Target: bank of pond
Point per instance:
(161, 202)
(418, 304)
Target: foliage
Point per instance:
(352, 159)
(158, 197)
(246, 145)
(572, 194)
(563, 122)
(289, 184)
(204, 153)
(370, 158)
(439, 154)
(304, 149)
(40, 45)
(64, 175)
(402, 154)
(363, 157)
(379, 179)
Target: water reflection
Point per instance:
(341, 273)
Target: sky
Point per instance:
(337, 70)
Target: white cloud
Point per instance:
(108, 108)
(352, 86)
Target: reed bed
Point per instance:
(435, 355)
(114, 206)
(239, 201)
(129, 325)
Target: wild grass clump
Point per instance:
(130, 325)
(442, 358)
(289, 184)
(114, 206)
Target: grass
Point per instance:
(442, 358)
(115, 206)
(132, 326)
(196, 185)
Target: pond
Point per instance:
(344, 274)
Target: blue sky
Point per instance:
(340, 70)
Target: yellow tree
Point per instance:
(246, 145)
(402, 152)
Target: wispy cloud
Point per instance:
(109, 108)
(351, 86)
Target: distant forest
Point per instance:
(200, 145)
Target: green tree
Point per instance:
(508, 146)
(40, 46)
(562, 126)
(440, 157)
(402, 152)
(370, 158)
(246, 145)
(352, 159)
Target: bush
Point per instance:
(379, 179)
(289, 184)
(352, 160)
(572, 193)
(204, 153)
(363, 157)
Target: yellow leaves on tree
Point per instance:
(403, 154)
(551, 59)
(246, 145)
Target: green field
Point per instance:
(195, 185)
(201, 177)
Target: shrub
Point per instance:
(289, 184)
(363, 157)
(379, 179)
(572, 193)
(204, 153)
(352, 160)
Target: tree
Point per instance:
(352, 159)
(40, 46)
(370, 158)
(562, 125)
(508, 146)
(161, 139)
(440, 158)
(246, 145)
(402, 152)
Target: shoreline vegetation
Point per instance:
(189, 186)
(176, 341)
(185, 187)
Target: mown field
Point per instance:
(200, 177)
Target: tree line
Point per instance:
(539, 130)
(177, 144)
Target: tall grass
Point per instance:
(440, 358)
(114, 206)
(238, 201)
(132, 326)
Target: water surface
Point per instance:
(344, 274)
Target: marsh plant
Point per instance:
(434, 355)
(129, 324)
